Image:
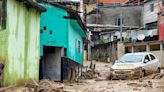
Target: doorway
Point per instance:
(50, 64)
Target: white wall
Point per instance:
(149, 16)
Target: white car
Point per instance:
(135, 65)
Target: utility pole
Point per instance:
(121, 23)
(82, 10)
(121, 26)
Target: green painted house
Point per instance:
(19, 40)
(61, 41)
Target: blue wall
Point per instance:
(65, 32)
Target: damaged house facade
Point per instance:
(19, 40)
(106, 26)
(61, 42)
(140, 32)
(151, 32)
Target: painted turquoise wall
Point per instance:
(65, 32)
(73, 38)
(54, 21)
(20, 44)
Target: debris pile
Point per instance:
(157, 76)
(50, 86)
(144, 84)
(32, 86)
(88, 75)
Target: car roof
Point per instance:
(138, 53)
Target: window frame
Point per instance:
(4, 14)
(148, 57)
(151, 57)
(78, 46)
(152, 7)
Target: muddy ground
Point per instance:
(100, 83)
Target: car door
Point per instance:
(147, 64)
(154, 62)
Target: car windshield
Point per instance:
(130, 59)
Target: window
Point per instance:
(41, 31)
(50, 32)
(44, 28)
(152, 57)
(154, 47)
(147, 58)
(78, 46)
(130, 58)
(151, 7)
(2, 14)
(162, 2)
(118, 22)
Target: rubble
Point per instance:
(87, 75)
(50, 86)
(97, 83)
(43, 86)
(157, 76)
(7, 89)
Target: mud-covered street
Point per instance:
(102, 84)
(99, 83)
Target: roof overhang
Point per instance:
(32, 4)
(73, 14)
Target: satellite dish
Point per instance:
(141, 37)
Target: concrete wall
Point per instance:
(157, 49)
(65, 32)
(148, 15)
(73, 37)
(120, 50)
(102, 52)
(131, 16)
(52, 64)
(19, 44)
(159, 56)
(55, 23)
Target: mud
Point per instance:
(150, 83)
(98, 83)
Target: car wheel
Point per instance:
(158, 70)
